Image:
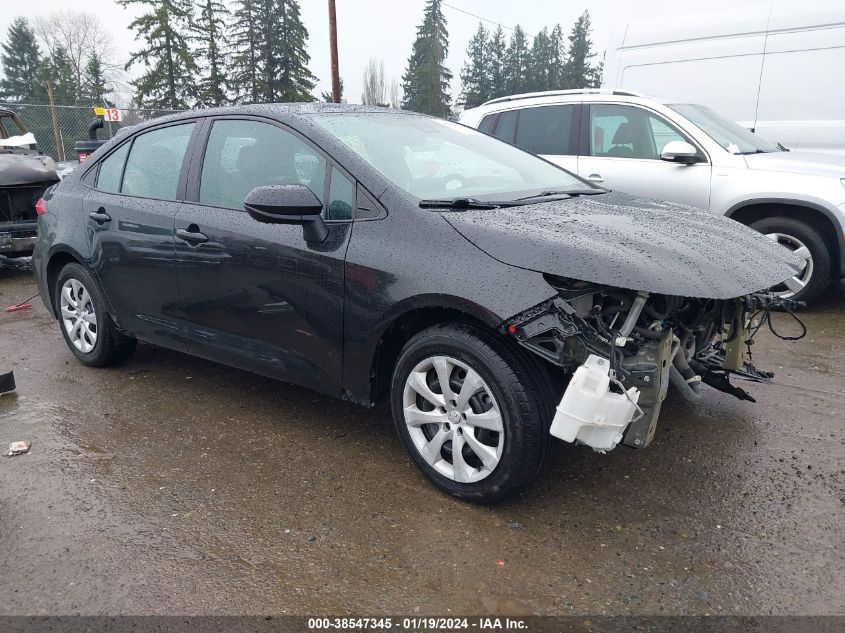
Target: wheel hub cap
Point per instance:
(796, 284)
(453, 419)
(79, 317)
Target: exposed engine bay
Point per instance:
(624, 348)
(25, 173)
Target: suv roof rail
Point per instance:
(576, 91)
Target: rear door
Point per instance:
(620, 149)
(130, 214)
(255, 295)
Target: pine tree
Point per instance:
(426, 79)
(326, 95)
(578, 71)
(539, 69)
(517, 63)
(556, 62)
(475, 78)
(58, 70)
(21, 62)
(497, 55)
(170, 74)
(211, 55)
(283, 59)
(95, 84)
(245, 54)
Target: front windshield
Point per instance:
(732, 136)
(435, 159)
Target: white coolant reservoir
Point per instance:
(590, 412)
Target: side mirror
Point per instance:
(680, 152)
(288, 204)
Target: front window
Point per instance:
(623, 131)
(731, 136)
(436, 159)
(245, 154)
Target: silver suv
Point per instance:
(689, 154)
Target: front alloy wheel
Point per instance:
(473, 411)
(79, 316)
(453, 419)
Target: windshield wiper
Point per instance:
(465, 203)
(569, 193)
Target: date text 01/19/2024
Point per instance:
(417, 623)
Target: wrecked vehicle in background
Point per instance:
(25, 173)
(495, 299)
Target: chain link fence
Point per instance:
(72, 123)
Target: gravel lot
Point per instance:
(175, 485)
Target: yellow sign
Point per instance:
(99, 111)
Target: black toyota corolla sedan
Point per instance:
(495, 299)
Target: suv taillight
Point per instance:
(41, 206)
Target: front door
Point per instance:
(623, 153)
(255, 295)
(130, 214)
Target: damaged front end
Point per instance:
(25, 173)
(624, 348)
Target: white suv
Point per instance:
(686, 153)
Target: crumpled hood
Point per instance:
(635, 243)
(26, 167)
(798, 162)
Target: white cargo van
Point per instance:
(774, 68)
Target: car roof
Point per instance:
(281, 111)
(551, 97)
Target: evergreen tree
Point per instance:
(556, 62)
(426, 79)
(475, 75)
(497, 55)
(283, 60)
(170, 74)
(540, 55)
(58, 70)
(245, 54)
(209, 32)
(517, 63)
(578, 71)
(95, 84)
(21, 62)
(326, 95)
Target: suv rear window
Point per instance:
(546, 129)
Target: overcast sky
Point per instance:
(385, 29)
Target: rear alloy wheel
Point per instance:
(87, 328)
(472, 410)
(806, 243)
(79, 316)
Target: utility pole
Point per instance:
(60, 151)
(333, 45)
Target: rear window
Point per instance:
(111, 170)
(545, 130)
(152, 169)
(506, 126)
(487, 124)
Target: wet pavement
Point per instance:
(174, 485)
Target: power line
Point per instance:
(478, 17)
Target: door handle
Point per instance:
(192, 235)
(100, 216)
(595, 178)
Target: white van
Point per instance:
(775, 69)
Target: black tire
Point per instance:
(521, 388)
(111, 346)
(819, 280)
